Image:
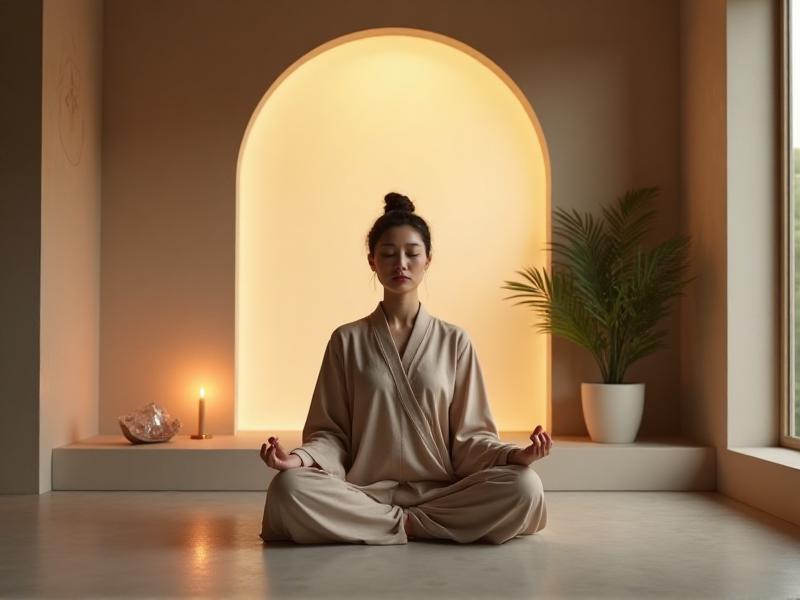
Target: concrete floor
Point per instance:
(206, 545)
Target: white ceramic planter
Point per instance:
(612, 411)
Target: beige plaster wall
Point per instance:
(181, 80)
(753, 215)
(703, 364)
(753, 266)
(70, 225)
(729, 330)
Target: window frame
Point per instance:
(787, 262)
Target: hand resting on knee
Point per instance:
(276, 456)
(542, 442)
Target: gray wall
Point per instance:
(20, 242)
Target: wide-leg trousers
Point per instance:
(308, 505)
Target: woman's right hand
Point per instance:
(276, 457)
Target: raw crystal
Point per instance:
(149, 424)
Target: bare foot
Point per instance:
(407, 525)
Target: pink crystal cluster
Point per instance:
(149, 424)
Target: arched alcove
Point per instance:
(385, 110)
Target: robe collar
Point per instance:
(421, 323)
(401, 368)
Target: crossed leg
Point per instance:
(493, 505)
(308, 505)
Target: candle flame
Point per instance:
(202, 392)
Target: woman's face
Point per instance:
(400, 251)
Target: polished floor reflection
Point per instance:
(206, 545)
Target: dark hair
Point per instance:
(399, 210)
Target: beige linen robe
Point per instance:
(395, 434)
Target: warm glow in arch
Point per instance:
(385, 110)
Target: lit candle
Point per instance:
(202, 416)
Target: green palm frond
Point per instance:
(606, 293)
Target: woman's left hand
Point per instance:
(542, 442)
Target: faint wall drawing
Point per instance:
(70, 109)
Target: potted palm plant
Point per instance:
(607, 294)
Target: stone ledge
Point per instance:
(232, 463)
(779, 455)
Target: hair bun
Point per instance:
(395, 201)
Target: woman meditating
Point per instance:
(399, 442)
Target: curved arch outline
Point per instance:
(375, 32)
